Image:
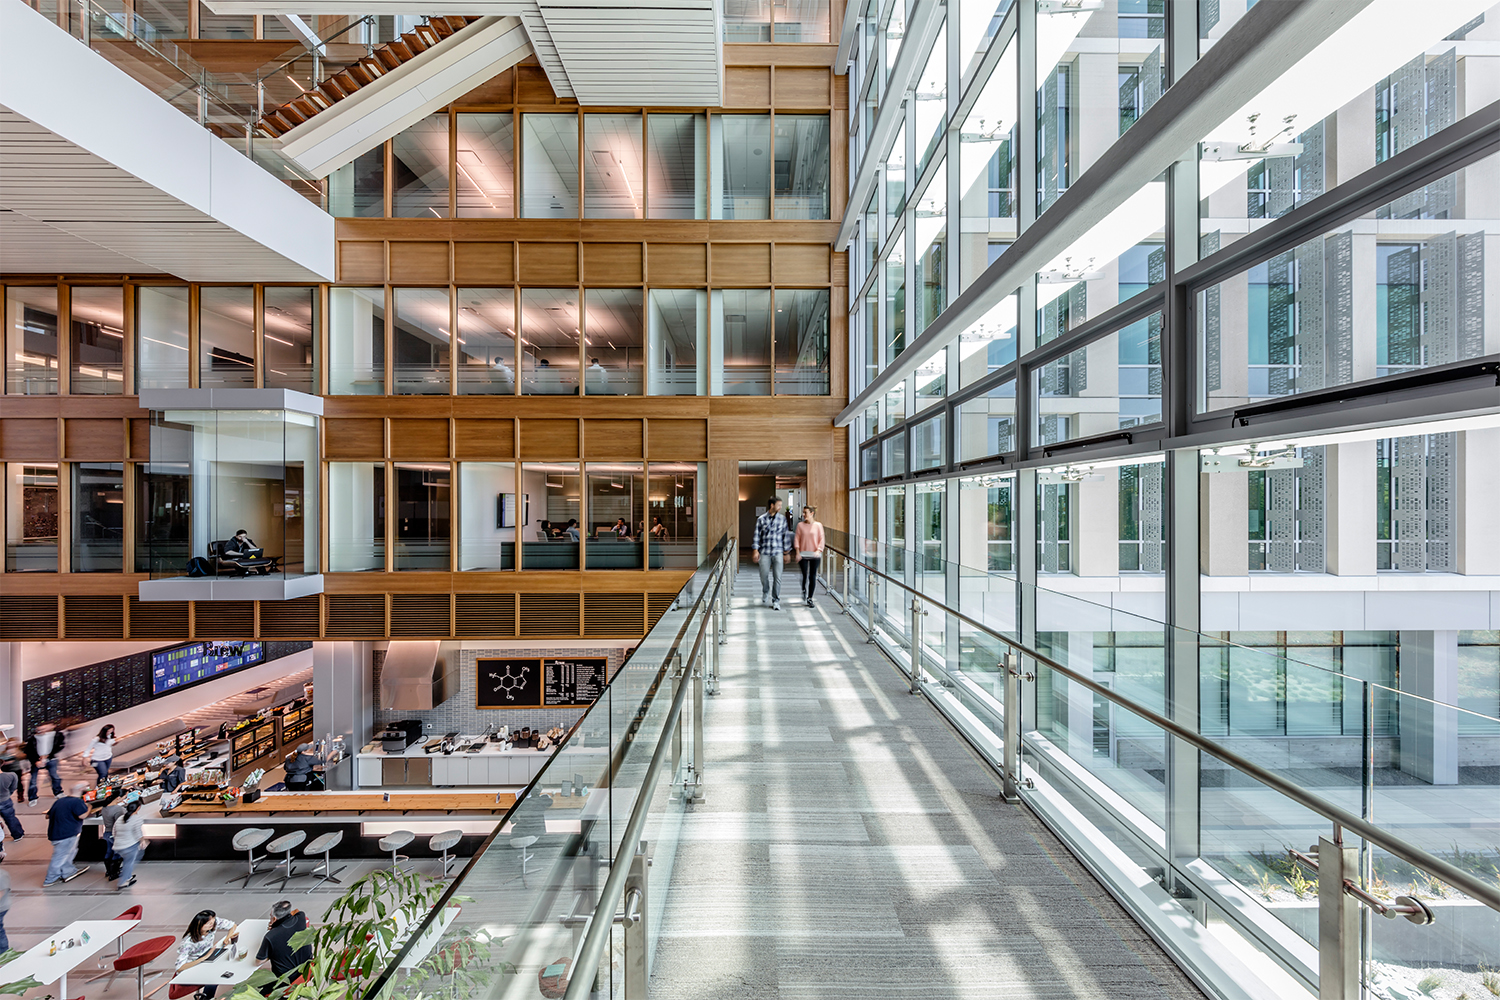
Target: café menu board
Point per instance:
(200, 661)
(535, 682)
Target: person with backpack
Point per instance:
(114, 808)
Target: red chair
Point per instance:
(181, 990)
(136, 912)
(137, 957)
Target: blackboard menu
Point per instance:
(575, 682)
(509, 683)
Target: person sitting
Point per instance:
(621, 528)
(301, 767)
(572, 530)
(242, 546)
(277, 944)
(659, 530)
(173, 775)
(241, 553)
(198, 944)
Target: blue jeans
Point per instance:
(770, 577)
(51, 765)
(8, 813)
(101, 768)
(61, 866)
(4, 937)
(109, 848)
(131, 854)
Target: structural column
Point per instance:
(1428, 668)
(343, 699)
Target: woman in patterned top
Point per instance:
(199, 942)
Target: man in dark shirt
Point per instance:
(64, 824)
(276, 945)
(10, 786)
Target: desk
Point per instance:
(45, 968)
(274, 803)
(228, 969)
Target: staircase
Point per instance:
(366, 71)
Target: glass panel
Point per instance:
(357, 189)
(356, 341)
(1125, 390)
(420, 341)
(489, 513)
(802, 342)
(486, 164)
(301, 494)
(549, 166)
(987, 166)
(612, 185)
(932, 101)
(870, 321)
(97, 316)
(801, 21)
(742, 342)
(290, 322)
(423, 516)
(929, 444)
(674, 528)
(1119, 257)
(739, 152)
(930, 229)
(895, 181)
(226, 337)
(550, 516)
(676, 146)
(979, 22)
(678, 339)
(869, 463)
(549, 333)
(486, 341)
(419, 157)
(356, 537)
(31, 349)
(98, 517)
(161, 324)
(236, 27)
(612, 341)
(802, 167)
(931, 579)
(986, 532)
(989, 344)
(747, 20)
(987, 423)
(931, 378)
(616, 516)
(894, 330)
(163, 517)
(893, 455)
(32, 507)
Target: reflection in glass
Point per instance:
(419, 159)
(616, 516)
(612, 186)
(612, 342)
(226, 336)
(986, 518)
(678, 331)
(549, 332)
(551, 519)
(987, 423)
(742, 342)
(801, 21)
(490, 508)
(932, 100)
(931, 378)
(1111, 383)
(549, 166)
(356, 341)
(161, 324)
(747, 21)
(420, 341)
(97, 316)
(32, 509)
(31, 348)
(486, 341)
(930, 229)
(98, 517)
(290, 319)
(672, 521)
(356, 537)
(979, 22)
(357, 189)
(163, 517)
(802, 167)
(894, 330)
(740, 165)
(895, 180)
(675, 150)
(486, 162)
(989, 344)
(802, 342)
(929, 443)
(423, 515)
(987, 164)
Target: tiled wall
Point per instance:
(458, 713)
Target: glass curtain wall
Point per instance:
(97, 319)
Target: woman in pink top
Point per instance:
(809, 545)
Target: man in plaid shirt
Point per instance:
(774, 541)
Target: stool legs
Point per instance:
(252, 862)
(447, 862)
(396, 860)
(290, 864)
(325, 871)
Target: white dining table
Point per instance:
(38, 963)
(235, 965)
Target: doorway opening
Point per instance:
(759, 481)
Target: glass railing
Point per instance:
(1192, 812)
(338, 47)
(574, 875)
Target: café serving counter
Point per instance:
(491, 766)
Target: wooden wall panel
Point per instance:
(532, 86)
(612, 264)
(33, 439)
(94, 440)
(419, 438)
(481, 438)
(678, 440)
(140, 438)
(747, 86)
(802, 87)
(796, 436)
(361, 262)
(498, 89)
(546, 264)
(547, 439)
(723, 498)
(419, 263)
(362, 437)
(801, 264)
(669, 264)
(737, 264)
(612, 439)
(484, 263)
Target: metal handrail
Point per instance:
(1410, 853)
(263, 74)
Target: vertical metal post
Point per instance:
(1338, 922)
(260, 98)
(1010, 782)
(203, 98)
(83, 21)
(699, 669)
(846, 583)
(637, 927)
(870, 604)
(916, 645)
(677, 679)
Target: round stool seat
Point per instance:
(445, 841)
(324, 842)
(287, 842)
(396, 840)
(251, 837)
(522, 842)
(138, 955)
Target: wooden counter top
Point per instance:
(278, 803)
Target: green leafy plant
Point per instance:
(1429, 982)
(1265, 884)
(1490, 979)
(359, 935)
(1301, 885)
(20, 986)
(1379, 889)
(1430, 887)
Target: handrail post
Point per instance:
(637, 926)
(1012, 736)
(1338, 922)
(845, 560)
(870, 604)
(699, 669)
(916, 645)
(677, 681)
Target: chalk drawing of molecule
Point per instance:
(508, 683)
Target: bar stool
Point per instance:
(324, 844)
(248, 840)
(393, 842)
(137, 957)
(445, 842)
(286, 844)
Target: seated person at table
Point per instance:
(571, 533)
(621, 528)
(241, 546)
(285, 960)
(299, 770)
(200, 942)
(659, 530)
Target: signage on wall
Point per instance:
(200, 661)
(535, 682)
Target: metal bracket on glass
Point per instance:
(917, 614)
(1011, 780)
(1410, 907)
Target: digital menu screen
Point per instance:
(201, 661)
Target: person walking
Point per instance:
(64, 824)
(129, 835)
(9, 786)
(4, 908)
(101, 752)
(114, 808)
(768, 548)
(43, 748)
(809, 547)
(277, 946)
